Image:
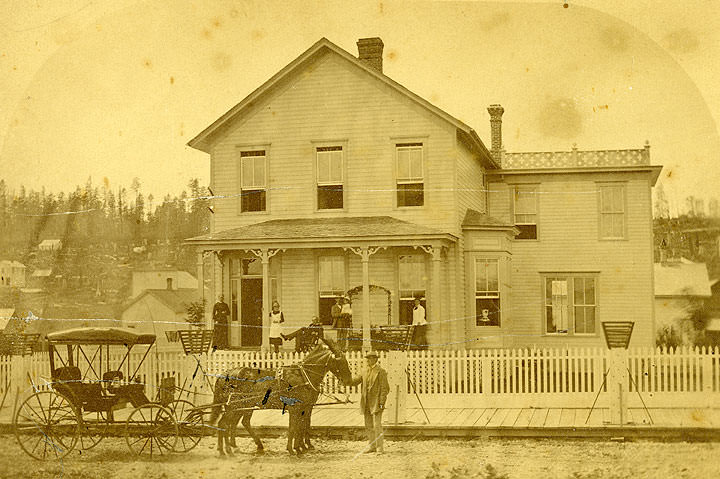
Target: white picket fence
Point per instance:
(571, 377)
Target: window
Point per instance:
(252, 181)
(329, 177)
(413, 278)
(331, 285)
(525, 207)
(612, 211)
(410, 186)
(487, 292)
(570, 306)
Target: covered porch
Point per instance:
(381, 263)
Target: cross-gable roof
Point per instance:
(466, 134)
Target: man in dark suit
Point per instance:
(374, 392)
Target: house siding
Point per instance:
(335, 101)
(568, 241)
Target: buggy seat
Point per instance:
(87, 396)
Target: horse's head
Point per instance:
(338, 364)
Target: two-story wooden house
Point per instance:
(333, 177)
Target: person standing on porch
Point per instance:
(221, 312)
(420, 324)
(345, 323)
(276, 318)
(374, 392)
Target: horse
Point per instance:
(293, 388)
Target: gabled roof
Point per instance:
(176, 300)
(318, 229)
(681, 279)
(5, 315)
(203, 140)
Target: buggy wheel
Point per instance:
(151, 430)
(191, 427)
(93, 429)
(47, 425)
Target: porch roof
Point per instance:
(322, 230)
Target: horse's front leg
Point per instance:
(232, 430)
(221, 435)
(246, 424)
(307, 429)
(291, 433)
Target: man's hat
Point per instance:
(372, 354)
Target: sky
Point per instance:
(115, 90)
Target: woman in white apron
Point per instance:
(276, 317)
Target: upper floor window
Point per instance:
(612, 211)
(329, 177)
(487, 292)
(253, 180)
(331, 285)
(525, 211)
(570, 304)
(410, 180)
(413, 278)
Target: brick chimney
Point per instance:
(496, 112)
(370, 52)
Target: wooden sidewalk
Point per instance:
(670, 424)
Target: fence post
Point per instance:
(707, 370)
(486, 375)
(396, 404)
(618, 386)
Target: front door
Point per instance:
(251, 312)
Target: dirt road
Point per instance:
(426, 459)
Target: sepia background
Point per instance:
(113, 91)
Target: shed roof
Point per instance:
(475, 218)
(41, 273)
(681, 279)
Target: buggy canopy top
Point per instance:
(100, 336)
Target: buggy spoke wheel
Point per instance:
(191, 427)
(47, 425)
(93, 429)
(151, 430)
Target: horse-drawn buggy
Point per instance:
(94, 392)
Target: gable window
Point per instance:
(331, 285)
(329, 177)
(410, 182)
(570, 305)
(487, 292)
(253, 180)
(612, 211)
(525, 211)
(413, 278)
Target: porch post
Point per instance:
(201, 284)
(365, 257)
(265, 258)
(435, 300)
(435, 308)
(265, 254)
(365, 252)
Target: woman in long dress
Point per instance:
(276, 318)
